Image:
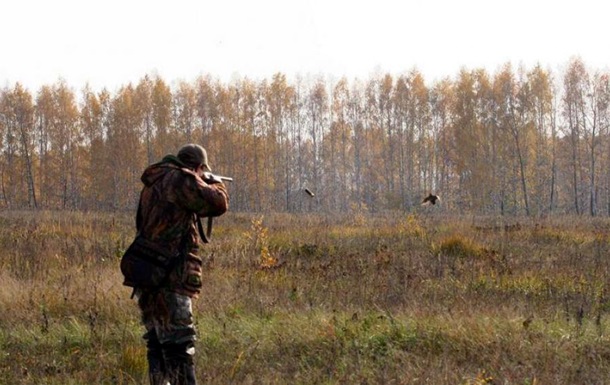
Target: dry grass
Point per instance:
(404, 299)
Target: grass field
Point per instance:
(385, 299)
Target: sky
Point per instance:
(110, 43)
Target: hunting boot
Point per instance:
(179, 363)
(156, 363)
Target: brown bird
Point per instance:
(308, 191)
(431, 199)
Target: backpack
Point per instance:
(145, 264)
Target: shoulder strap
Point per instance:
(139, 216)
(207, 235)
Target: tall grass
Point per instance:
(392, 298)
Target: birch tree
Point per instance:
(17, 121)
(575, 89)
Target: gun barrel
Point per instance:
(208, 176)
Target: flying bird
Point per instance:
(308, 191)
(431, 199)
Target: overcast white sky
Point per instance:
(109, 43)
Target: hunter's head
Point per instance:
(194, 156)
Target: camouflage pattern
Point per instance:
(168, 315)
(170, 336)
(171, 198)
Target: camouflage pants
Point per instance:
(170, 336)
(168, 314)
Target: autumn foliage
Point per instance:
(518, 141)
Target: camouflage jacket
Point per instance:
(172, 197)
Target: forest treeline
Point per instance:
(522, 141)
